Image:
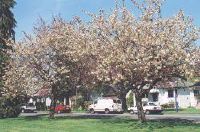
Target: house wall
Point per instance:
(193, 99)
(185, 97)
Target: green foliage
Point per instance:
(7, 23)
(10, 107)
(40, 106)
(189, 110)
(168, 105)
(130, 100)
(86, 104)
(81, 104)
(77, 103)
(101, 124)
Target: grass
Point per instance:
(189, 110)
(100, 124)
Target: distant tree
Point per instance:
(130, 100)
(53, 56)
(7, 25)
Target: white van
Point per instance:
(106, 105)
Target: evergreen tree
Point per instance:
(7, 25)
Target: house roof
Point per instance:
(196, 85)
(174, 84)
(43, 92)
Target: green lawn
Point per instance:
(182, 111)
(82, 124)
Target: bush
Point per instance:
(129, 101)
(10, 107)
(86, 104)
(79, 103)
(40, 105)
(168, 105)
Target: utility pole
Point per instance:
(76, 95)
(176, 94)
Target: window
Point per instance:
(95, 102)
(196, 92)
(170, 93)
(155, 97)
(29, 104)
(119, 101)
(176, 92)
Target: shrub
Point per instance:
(129, 101)
(10, 107)
(86, 104)
(168, 105)
(40, 105)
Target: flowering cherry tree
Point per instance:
(143, 50)
(119, 48)
(54, 56)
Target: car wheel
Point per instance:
(121, 112)
(68, 111)
(131, 112)
(107, 111)
(23, 111)
(59, 112)
(92, 111)
(147, 112)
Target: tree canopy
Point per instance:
(113, 48)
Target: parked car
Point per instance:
(148, 108)
(29, 107)
(62, 109)
(106, 105)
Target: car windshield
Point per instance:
(30, 104)
(117, 101)
(152, 104)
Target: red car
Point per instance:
(62, 109)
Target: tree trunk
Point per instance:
(53, 102)
(52, 107)
(141, 114)
(123, 99)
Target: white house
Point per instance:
(184, 93)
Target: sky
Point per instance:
(27, 12)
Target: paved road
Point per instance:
(193, 117)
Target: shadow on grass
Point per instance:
(173, 109)
(154, 123)
(134, 123)
(111, 120)
(32, 118)
(92, 116)
(61, 117)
